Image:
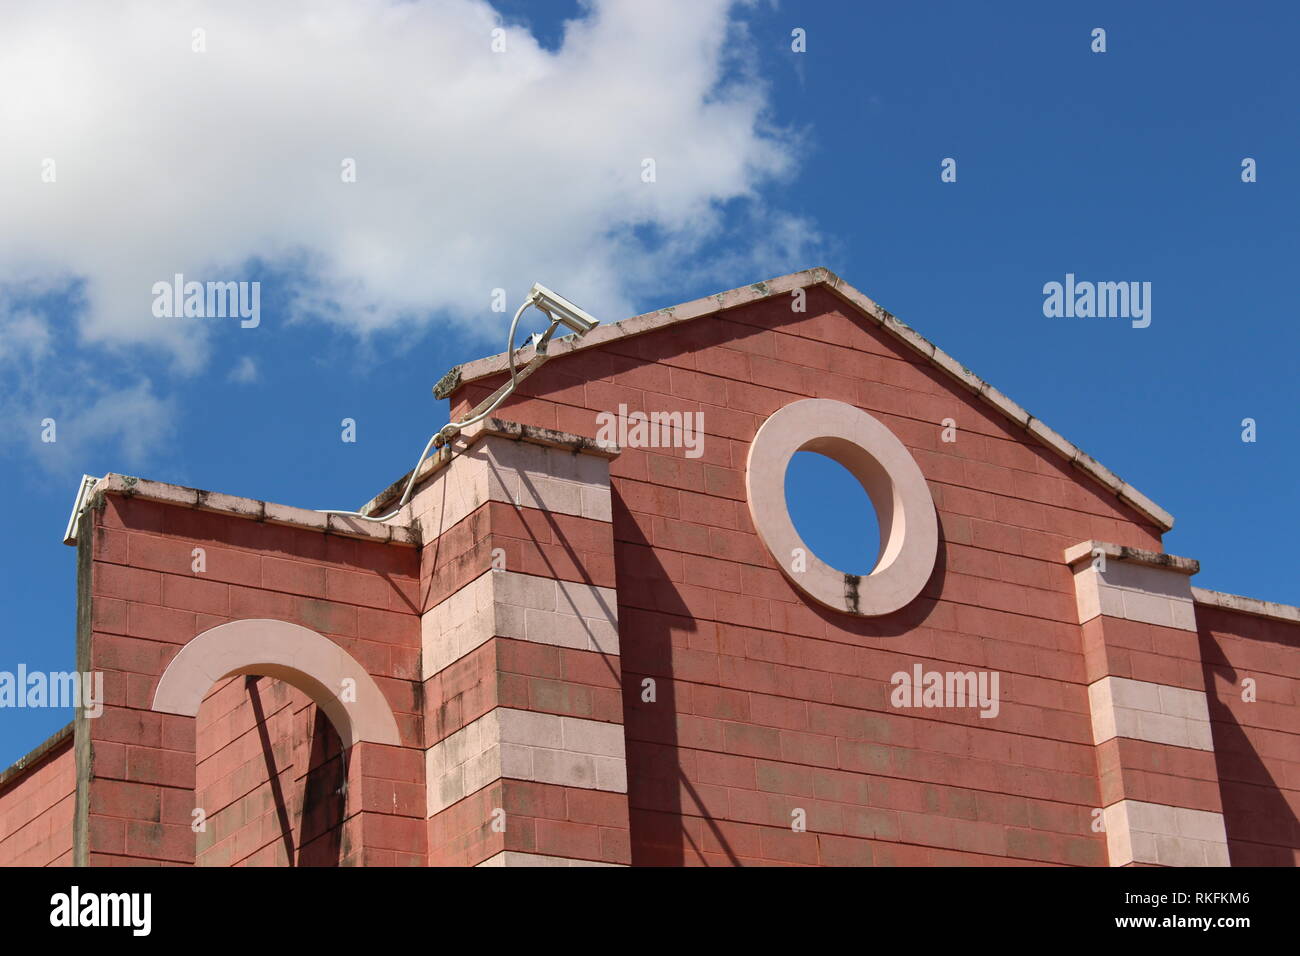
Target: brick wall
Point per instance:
(147, 602)
(767, 705)
(271, 778)
(36, 805)
(526, 756)
(597, 649)
(1256, 743)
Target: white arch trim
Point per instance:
(309, 661)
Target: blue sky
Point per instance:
(1124, 165)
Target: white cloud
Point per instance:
(475, 169)
(23, 336)
(132, 418)
(84, 413)
(244, 372)
(60, 405)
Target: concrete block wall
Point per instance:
(143, 602)
(1150, 714)
(524, 722)
(36, 807)
(271, 778)
(592, 659)
(766, 705)
(1251, 663)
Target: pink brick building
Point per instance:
(563, 651)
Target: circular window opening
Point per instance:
(832, 512)
(908, 532)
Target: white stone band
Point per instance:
(515, 858)
(520, 606)
(1155, 713)
(1138, 832)
(525, 745)
(1134, 592)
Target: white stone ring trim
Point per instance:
(909, 530)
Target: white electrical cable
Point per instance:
(449, 431)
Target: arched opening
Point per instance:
(278, 709)
(270, 777)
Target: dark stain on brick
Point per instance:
(851, 584)
(316, 614)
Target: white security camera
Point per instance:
(561, 309)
